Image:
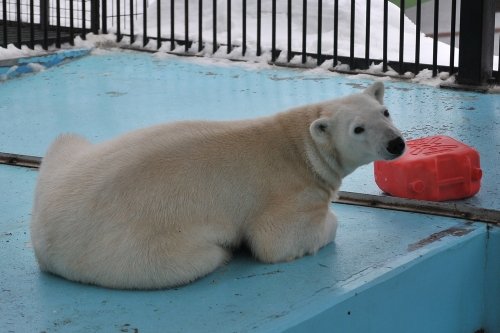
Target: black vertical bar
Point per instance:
(158, 24)
(214, 28)
(43, 12)
(367, 34)
(289, 30)
(498, 64)
(320, 31)
(104, 18)
(32, 24)
(401, 34)
(304, 31)
(186, 26)
(44, 19)
(477, 27)
(384, 51)
(84, 19)
(273, 32)
(94, 16)
(4, 12)
(417, 39)
(145, 38)
(244, 20)
(71, 24)
(200, 25)
(335, 32)
(452, 37)
(351, 46)
(58, 23)
(258, 26)
(118, 21)
(435, 38)
(132, 36)
(18, 18)
(229, 47)
(172, 25)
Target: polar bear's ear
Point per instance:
(320, 130)
(377, 91)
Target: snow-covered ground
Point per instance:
(12, 52)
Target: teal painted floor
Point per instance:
(246, 295)
(385, 272)
(102, 96)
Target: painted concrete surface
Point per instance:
(102, 96)
(434, 294)
(245, 295)
(380, 256)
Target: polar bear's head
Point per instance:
(357, 129)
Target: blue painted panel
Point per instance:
(492, 283)
(21, 66)
(105, 95)
(442, 293)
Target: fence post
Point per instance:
(104, 17)
(44, 13)
(477, 27)
(94, 16)
(44, 22)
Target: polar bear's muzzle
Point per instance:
(396, 147)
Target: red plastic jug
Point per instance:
(435, 168)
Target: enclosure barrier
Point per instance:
(170, 24)
(46, 22)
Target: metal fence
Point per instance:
(290, 32)
(46, 22)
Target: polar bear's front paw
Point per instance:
(330, 228)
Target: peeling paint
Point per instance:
(454, 231)
(262, 274)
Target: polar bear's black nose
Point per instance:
(396, 146)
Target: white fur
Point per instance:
(163, 206)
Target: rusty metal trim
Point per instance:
(26, 161)
(448, 209)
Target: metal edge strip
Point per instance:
(453, 209)
(26, 161)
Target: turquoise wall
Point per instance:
(452, 291)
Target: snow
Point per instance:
(12, 52)
(376, 34)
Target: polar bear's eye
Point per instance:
(386, 113)
(359, 130)
(322, 127)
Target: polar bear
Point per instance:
(163, 206)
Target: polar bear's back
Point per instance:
(63, 150)
(150, 195)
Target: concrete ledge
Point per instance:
(10, 68)
(442, 291)
(492, 89)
